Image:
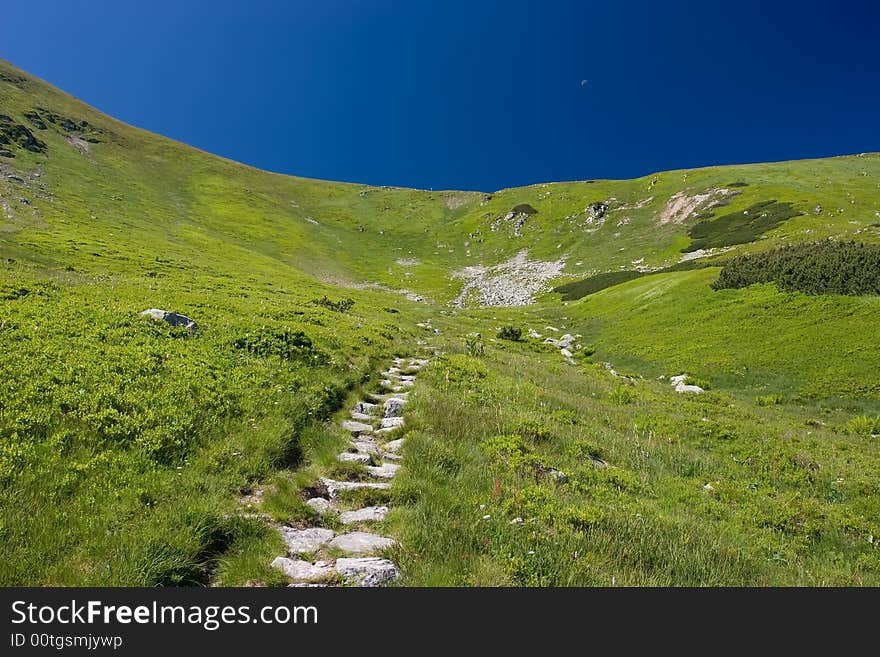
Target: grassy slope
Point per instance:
(174, 428)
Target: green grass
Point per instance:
(125, 445)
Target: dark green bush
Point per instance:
(740, 227)
(341, 306)
(827, 267)
(513, 333)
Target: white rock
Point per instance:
(361, 542)
(386, 470)
(565, 353)
(394, 407)
(320, 505)
(391, 422)
(681, 387)
(303, 571)
(394, 445)
(364, 407)
(361, 417)
(337, 486)
(675, 380)
(534, 334)
(300, 541)
(356, 427)
(365, 446)
(367, 571)
(566, 341)
(391, 456)
(367, 514)
(354, 457)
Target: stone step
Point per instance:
(300, 541)
(391, 422)
(361, 417)
(393, 407)
(366, 514)
(367, 571)
(303, 571)
(335, 487)
(394, 445)
(320, 505)
(354, 457)
(386, 470)
(356, 428)
(364, 407)
(391, 456)
(361, 542)
(365, 446)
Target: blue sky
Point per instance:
(470, 95)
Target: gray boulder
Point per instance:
(174, 319)
(367, 571)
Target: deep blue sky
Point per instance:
(469, 95)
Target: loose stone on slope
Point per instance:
(361, 542)
(367, 571)
(301, 541)
(367, 514)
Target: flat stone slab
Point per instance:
(356, 427)
(405, 384)
(361, 417)
(300, 541)
(391, 422)
(367, 514)
(364, 407)
(303, 571)
(365, 446)
(386, 470)
(353, 457)
(393, 407)
(391, 456)
(394, 445)
(367, 571)
(320, 505)
(337, 486)
(361, 542)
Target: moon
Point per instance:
(583, 83)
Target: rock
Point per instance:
(386, 470)
(303, 571)
(681, 387)
(301, 541)
(361, 417)
(394, 407)
(367, 571)
(597, 210)
(558, 476)
(335, 487)
(565, 341)
(675, 380)
(5, 153)
(365, 408)
(174, 319)
(365, 446)
(391, 422)
(354, 457)
(597, 463)
(516, 521)
(566, 353)
(361, 542)
(320, 505)
(356, 427)
(534, 334)
(391, 456)
(394, 445)
(367, 514)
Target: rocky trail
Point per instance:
(318, 556)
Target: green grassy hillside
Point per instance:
(125, 445)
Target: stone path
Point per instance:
(313, 553)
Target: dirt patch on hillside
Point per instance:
(511, 283)
(681, 206)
